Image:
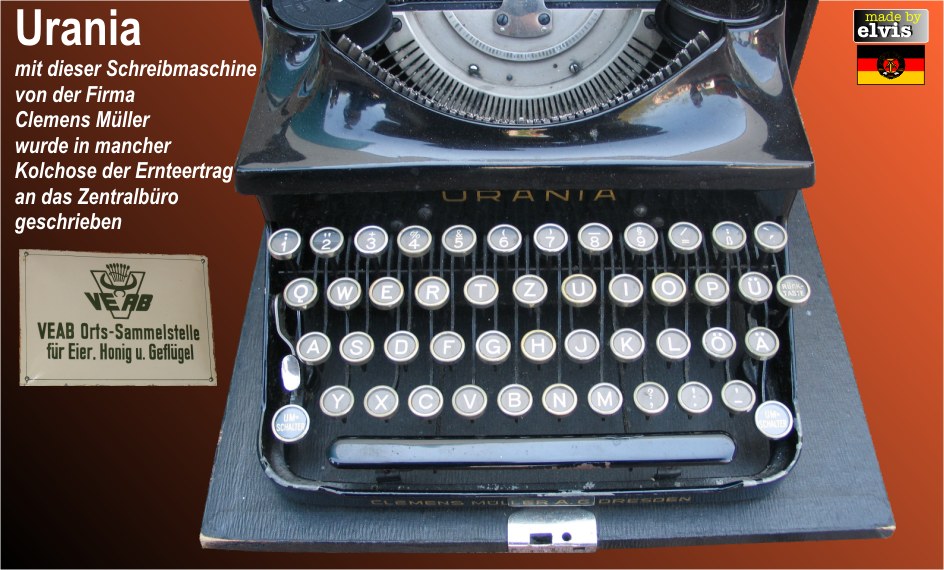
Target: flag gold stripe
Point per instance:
(906, 78)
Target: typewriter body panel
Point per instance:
(347, 143)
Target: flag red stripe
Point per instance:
(869, 64)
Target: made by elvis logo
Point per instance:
(891, 50)
(119, 291)
(890, 26)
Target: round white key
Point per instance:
(581, 345)
(728, 237)
(605, 399)
(301, 293)
(504, 239)
(711, 289)
(650, 398)
(386, 293)
(493, 347)
(313, 348)
(469, 401)
(344, 293)
(754, 288)
(579, 290)
(514, 400)
(381, 401)
(719, 343)
(356, 348)
(529, 290)
(459, 240)
(550, 239)
(770, 237)
(401, 347)
(371, 241)
(326, 242)
(668, 289)
(673, 344)
(694, 397)
(431, 293)
(481, 291)
(738, 396)
(425, 401)
(627, 345)
(773, 419)
(538, 346)
(792, 290)
(594, 238)
(336, 401)
(284, 244)
(290, 423)
(447, 347)
(625, 290)
(761, 343)
(684, 237)
(559, 399)
(414, 241)
(640, 238)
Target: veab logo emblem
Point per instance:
(119, 291)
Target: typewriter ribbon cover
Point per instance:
(98, 319)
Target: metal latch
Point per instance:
(552, 530)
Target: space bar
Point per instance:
(533, 451)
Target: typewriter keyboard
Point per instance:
(419, 350)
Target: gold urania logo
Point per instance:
(528, 195)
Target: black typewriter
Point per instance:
(529, 251)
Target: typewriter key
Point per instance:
(300, 293)
(431, 293)
(673, 344)
(493, 347)
(684, 237)
(514, 400)
(326, 242)
(761, 343)
(425, 401)
(447, 347)
(504, 239)
(386, 293)
(290, 373)
(559, 399)
(594, 238)
(627, 345)
(728, 237)
(344, 293)
(694, 397)
(336, 401)
(605, 399)
(579, 290)
(640, 238)
(650, 398)
(283, 244)
(711, 289)
(581, 345)
(371, 241)
(793, 290)
(402, 347)
(414, 241)
(719, 343)
(459, 241)
(773, 419)
(529, 290)
(481, 291)
(314, 348)
(469, 401)
(550, 239)
(356, 348)
(738, 396)
(538, 346)
(290, 423)
(770, 237)
(754, 288)
(668, 289)
(381, 401)
(625, 290)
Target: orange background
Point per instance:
(118, 477)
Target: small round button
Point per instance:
(290, 423)
(493, 347)
(514, 400)
(481, 291)
(605, 399)
(711, 289)
(761, 343)
(581, 346)
(538, 346)
(550, 239)
(504, 239)
(425, 401)
(401, 347)
(300, 293)
(770, 237)
(673, 344)
(414, 241)
(356, 348)
(625, 290)
(459, 240)
(694, 397)
(684, 237)
(738, 396)
(754, 288)
(447, 347)
(594, 238)
(431, 293)
(792, 290)
(650, 398)
(283, 244)
(728, 237)
(559, 399)
(386, 293)
(529, 290)
(773, 419)
(579, 290)
(640, 238)
(627, 345)
(313, 348)
(719, 343)
(326, 242)
(381, 402)
(371, 241)
(344, 293)
(668, 289)
(469, 401)
(336, 401)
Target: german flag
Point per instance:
(893, 64)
